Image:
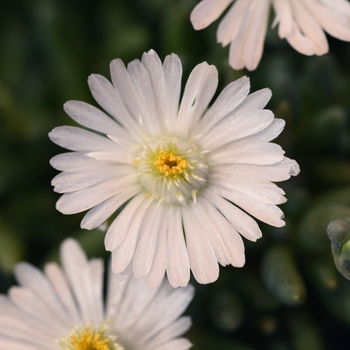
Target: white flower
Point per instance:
(63, 309)
(177, 169)
(301, 22)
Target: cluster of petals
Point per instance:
(194, 218)
(302, 23)
(47, 306)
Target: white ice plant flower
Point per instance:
(186, 175)
(63, 309)
(301, 22)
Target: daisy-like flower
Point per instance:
(301, 22)
(180, 173)
(63, 309)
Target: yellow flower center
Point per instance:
(89, 338)
(169, 164)
(89, 341)
(171, 171)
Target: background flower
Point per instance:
(301, 23)
(64, 309)
(182, 171)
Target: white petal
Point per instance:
(20, 345)
(96, 267)
(333, 21)
(235, 58)
(60, 285)
(24, 332)
(232, 22)
(172, 331)
(111, 101)
(123, 255)
(75, 181)
(76, 202)
(202, 258)
(230, 130)
(101, 212)
(27, 302)
(255, 37)
(84, 284)
(148, 113)
(178, 265)
(341, 6)
(256, 153)
(157, 324)
(112, 157)
(210, 234)
(247, 46)
(207, 11)
(268, 213)
(119, 227)
(310, 27)
(255, 101)
(262, 191)
(75, 161)
(199, 90)
(154, 67)
(242, 222)
(77, 139)
(266, 135)
(115, 293)
(21, 319)
(146, 247)
(231, 97)
(136, 301)
(158, 268)
(172, 74)
(125, 274)
(300, 42)
(220, 229)
(31, 278)
(284, 16)
(92, 118)
(175, 344)
(275, 172)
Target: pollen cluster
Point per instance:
(89, 338)
(169, 164)
(171, 170)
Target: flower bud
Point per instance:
(339, 235)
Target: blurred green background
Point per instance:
(289, 295)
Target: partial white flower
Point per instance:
(301, 22)
(181, 172)
(63, 309)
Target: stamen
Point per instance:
(181, 198)
(170, 164)
(199, 178)
(194, 138)
(201, 153)
(119, 142)
(172, 169)
(194, 196)
(152, 198)
(162, 199)
(90, 338)
(140, 121)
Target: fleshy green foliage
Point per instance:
(282, 277)
(289, 295)
(339, 234)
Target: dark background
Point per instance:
(289, 295)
